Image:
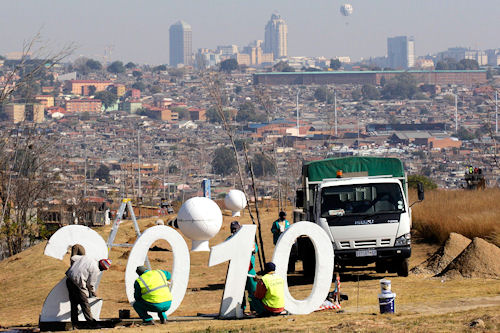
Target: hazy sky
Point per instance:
(138, 29)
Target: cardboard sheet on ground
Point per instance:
(57, 306)
(180, 267)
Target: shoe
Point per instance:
(163, 321)
(148, 323)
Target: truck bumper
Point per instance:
(349, 257)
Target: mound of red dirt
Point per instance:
(480, 259)
(453, 246)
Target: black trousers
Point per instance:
(78, 297)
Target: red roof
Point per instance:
(89, 81)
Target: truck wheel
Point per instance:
(380, 267)
(403, 268)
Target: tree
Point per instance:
(26, 177)
(139, 85)
(130, 65)
(370, 92)
(137, 74)
(172, 168)
(107, 97)
(26, 70)
(428, 183)
(160, 68)
(116, 67)
(224, 162)
(356, 94)
(335, 64)
(92, 90)
(403, 86)
(228, 65)
(263, 165)
(320, 93)
(94, 65)
(283, 66)
(213, 115)
(248, 112)
(464, 134)
(102, 173)
(182, 112)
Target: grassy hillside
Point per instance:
(470, 213)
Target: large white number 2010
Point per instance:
(237, 250)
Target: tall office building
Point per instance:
(401, 52)
(181, 44)
(276, 37)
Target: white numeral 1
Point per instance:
(324, 265)
(238, 250)
(56, 306)
(180, 267)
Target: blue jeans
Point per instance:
(142, 308)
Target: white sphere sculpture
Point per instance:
(235, 201)
(199, 219)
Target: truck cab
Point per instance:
(367, 220)
(364, 212)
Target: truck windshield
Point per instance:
(361, 199)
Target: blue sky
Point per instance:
(138, 30)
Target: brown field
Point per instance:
(470, 213)
(423, 303)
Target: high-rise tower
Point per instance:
(276, 37)
(401, 52)
(181, 44)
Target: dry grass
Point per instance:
(423, 304)
(470, 213)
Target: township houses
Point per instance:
(82, 87)
(83, 105)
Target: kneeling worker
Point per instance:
(269, 297)
(152, 294)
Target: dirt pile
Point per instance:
(436, 263)
(479, 260)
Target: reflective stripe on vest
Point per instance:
(275, 295)
(154, 287)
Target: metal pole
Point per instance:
(139, 192)
(85, 167)
(335, 108)
(298, 125)
(164, 168)
(496, 112)
(456, 113)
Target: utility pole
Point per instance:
(85, 167)
(298, 125)
(139, 192)
(496, 112)
(335, 109)
(164, 169)
(456, 113)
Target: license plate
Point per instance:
(366, 253)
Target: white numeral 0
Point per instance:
(56, 306)
(180, 268)
(324, 265)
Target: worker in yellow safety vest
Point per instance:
(269, 297)
(152, 294)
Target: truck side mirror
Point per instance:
(420, 191)
(299, 198)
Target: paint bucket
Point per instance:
(386, 302)
(385, 286)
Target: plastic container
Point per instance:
(386, 302)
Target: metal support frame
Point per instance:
(126, 204)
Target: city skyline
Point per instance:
(134, 31)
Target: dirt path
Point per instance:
(447, 306)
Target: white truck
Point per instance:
(362, 204)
